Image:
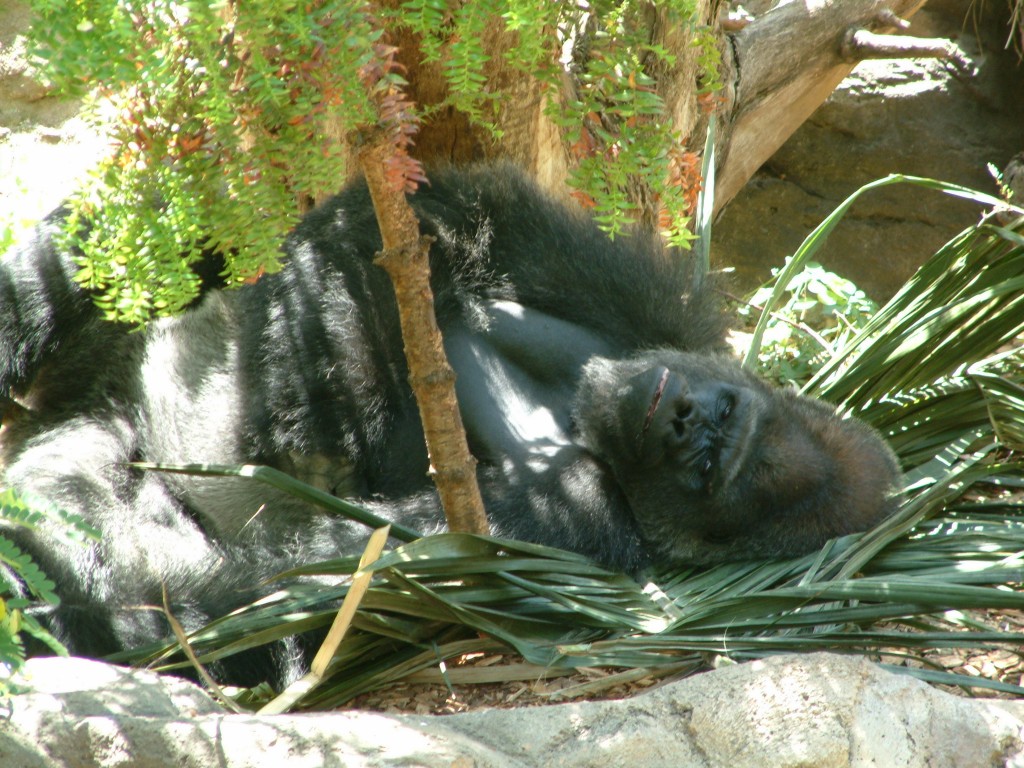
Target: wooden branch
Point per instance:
(405, 257)
(785, 64)
(860, 44)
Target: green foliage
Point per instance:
(709, 61)
(15, 510)
(626, 136)
(20, 563)
(809, 247)
(453, 35)
(12, 226)
(941, 362)
(225, 114)
(33, 513)
(7, 235)
(821, 312)
(622, 133)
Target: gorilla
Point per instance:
(605, 416)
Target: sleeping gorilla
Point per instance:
(604, 416)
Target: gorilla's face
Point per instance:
(717, 465)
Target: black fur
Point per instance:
(589, 376)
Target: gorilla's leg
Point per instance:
(111, 589)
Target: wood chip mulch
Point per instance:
(439, 698)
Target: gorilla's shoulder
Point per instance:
(498, 235)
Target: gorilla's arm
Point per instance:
(517, 372)
(566, 499)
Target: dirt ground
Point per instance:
(45, 145)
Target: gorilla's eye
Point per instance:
(705, 467)
(726, 403)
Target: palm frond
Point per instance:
(965, 304)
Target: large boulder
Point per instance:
(811, 710)
(922, 117)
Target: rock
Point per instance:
(810, 710)
(17, 80)
(1013, 179)
(23, 96)
(918, 117)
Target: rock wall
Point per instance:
(799, 711)
(919, 117)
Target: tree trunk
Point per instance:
(776, 71)
(785, 64)
(405, 258)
